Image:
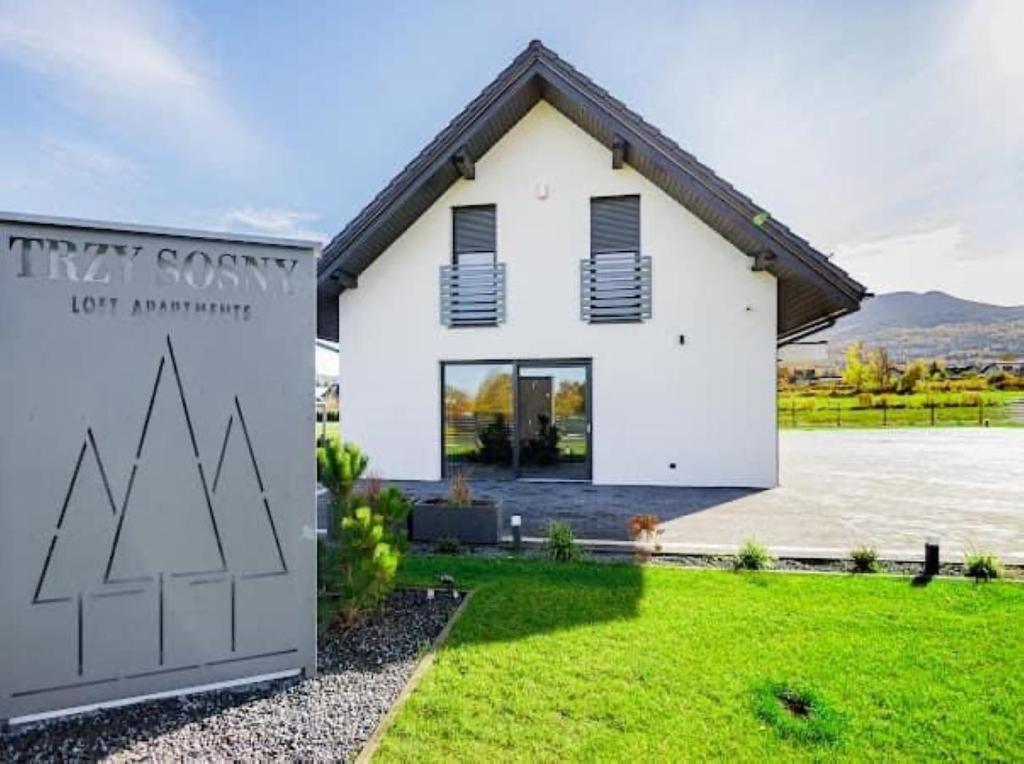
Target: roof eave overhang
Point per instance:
(708, 197)
(519, 74)
(766, 237)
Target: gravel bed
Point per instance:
(907, 568)
(331, 716)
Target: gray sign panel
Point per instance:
(157, 526)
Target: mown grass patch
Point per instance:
(591, 661)
(798, 713)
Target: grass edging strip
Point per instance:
(418, 673)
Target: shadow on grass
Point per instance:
(521, 597)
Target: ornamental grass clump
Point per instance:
(561, 543)
(982, 566)
(460, 493)
(865, 560)
(753, 555)
(448, 545)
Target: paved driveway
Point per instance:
(888, 488)
(891, 489)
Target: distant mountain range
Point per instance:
(931, 325)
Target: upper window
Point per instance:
(615, 225)
(616, 279)
(474, 235)
(473, 286)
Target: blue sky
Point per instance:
(888, 133)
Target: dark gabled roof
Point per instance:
(813, 292)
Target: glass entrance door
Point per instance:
(553, 421)
(505, 419)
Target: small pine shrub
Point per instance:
(982, 566)
(448, 545)
(328, 570)
(561, 544)
(372, 487)
(368, 563)
(339, 468)
(865, 560)
(753, 555)
(394, 507)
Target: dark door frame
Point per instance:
(516, 364)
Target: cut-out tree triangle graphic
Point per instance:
(77, 553)
(167, 524)
(251, 542)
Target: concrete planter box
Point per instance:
(435, 519)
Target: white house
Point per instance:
(554, 289)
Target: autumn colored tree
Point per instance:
(570, 398)
(457, 402)
(881, 369)
(494, 395)
(855, 372)
(911, 376)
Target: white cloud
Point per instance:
(132, 65)
(898, 134)
(292, 224)
(943, 258)
(55, 173)
(938, 242)
(83, 161)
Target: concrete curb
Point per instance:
(414, 679)
(795, 553)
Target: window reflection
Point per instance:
(533, 420)
(553, 422)
(478, 418)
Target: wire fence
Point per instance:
(796, 412)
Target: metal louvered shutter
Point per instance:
(614, 224)
(615, 281)
(473, 229)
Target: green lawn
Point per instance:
(626, 663)
(951, 409)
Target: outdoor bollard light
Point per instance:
(516, 521)
(448, 583)
(931, 557)
(430, 594)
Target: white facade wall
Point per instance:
(707, 405)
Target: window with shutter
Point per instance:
(473, 234)
(615, 281)
(473, 286)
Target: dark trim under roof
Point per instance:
(812, 292)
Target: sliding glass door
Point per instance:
(553, 422)
(504, 419)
